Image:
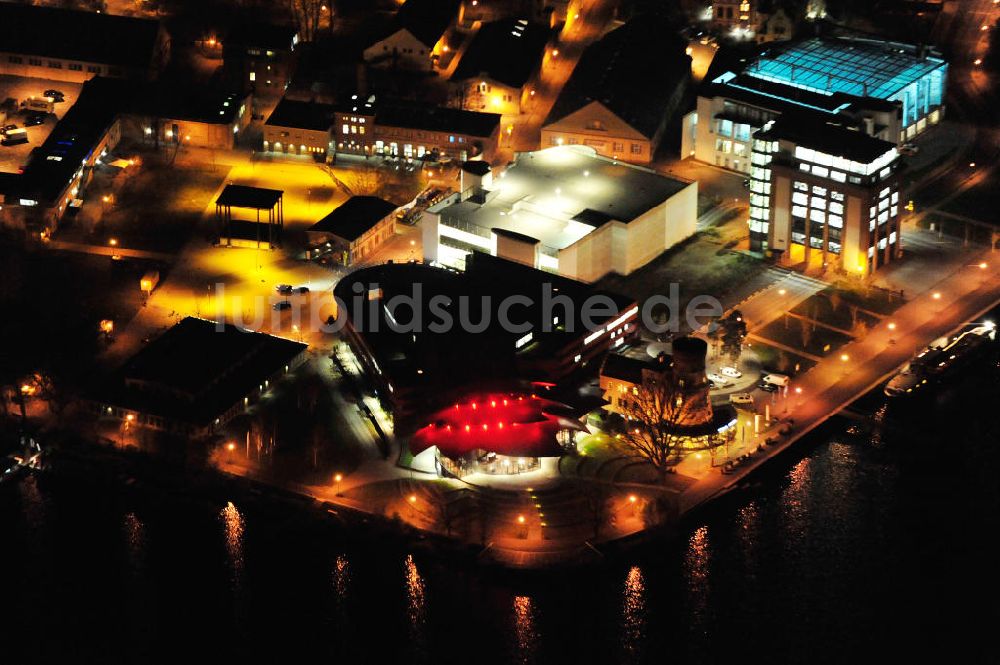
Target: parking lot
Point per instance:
(19, 89)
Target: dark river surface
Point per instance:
(878, 546)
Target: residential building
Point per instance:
(356, 229)
(625, 89)
(499, 66)
(69, 45)
(260, 57)
(563, 209)
(414, 38)
(824, 195)
(299, 127)
(735, 18)
(775, 26)
(411, 130)
(895, 90)
(195, 377)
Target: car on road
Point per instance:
(33, 119)
(282, 305)
(908, 149)
(768, 387)
(718, 379)
(731, 372)
(301, 289)
(55, 95)
(283, 288)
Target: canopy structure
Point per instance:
(251, 198)
(510, 424)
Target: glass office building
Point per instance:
(862, 68)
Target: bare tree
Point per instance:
(307, 15)
(654, 420)
(595, 495)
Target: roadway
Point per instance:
(862, 365)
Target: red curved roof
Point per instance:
(514, 425)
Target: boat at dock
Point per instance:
(945, 358)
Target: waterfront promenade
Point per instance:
(843, 377)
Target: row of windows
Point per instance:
(55, 64)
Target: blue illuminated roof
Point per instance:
(854, 67)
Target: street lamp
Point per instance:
(337, 477)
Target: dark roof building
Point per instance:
(427, 20)
(507, 52)
(639, 72)
(259, 35)
(133, 45)
(356, 216)
(420, 369)
(196, 376)
(831, 136)
(302, 115)
(436, 119)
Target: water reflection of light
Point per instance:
(525, 631)
(341, 576)
(234, 526)
(696, 575)
(135, 539)
(633, 612)
(415, 591)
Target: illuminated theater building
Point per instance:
(435, 378)
(824, 196)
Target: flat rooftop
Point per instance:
(814, 132)
(77, 35)
(559, 195)
(863, 68)
(443, 359)
(197, 370)
(245, 196)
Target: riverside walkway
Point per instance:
(862, 365)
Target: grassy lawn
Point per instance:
(835, 311)
(159, 207)
(773, 359)
(698, 266)
(595, 445)
(790, 332)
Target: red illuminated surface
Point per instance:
(507, 424)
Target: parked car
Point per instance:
(908, 149)
(56, 95)
(283, 288)
(768, 387)
(718, 379)
(731, 372)
(301, 289)
(282, 305)
(33, 119)
(7, 128)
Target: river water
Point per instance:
(856, 548)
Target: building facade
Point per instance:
(896, 91)
(356, 229)
(824, 196)
(412, 131)
(74, 46)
